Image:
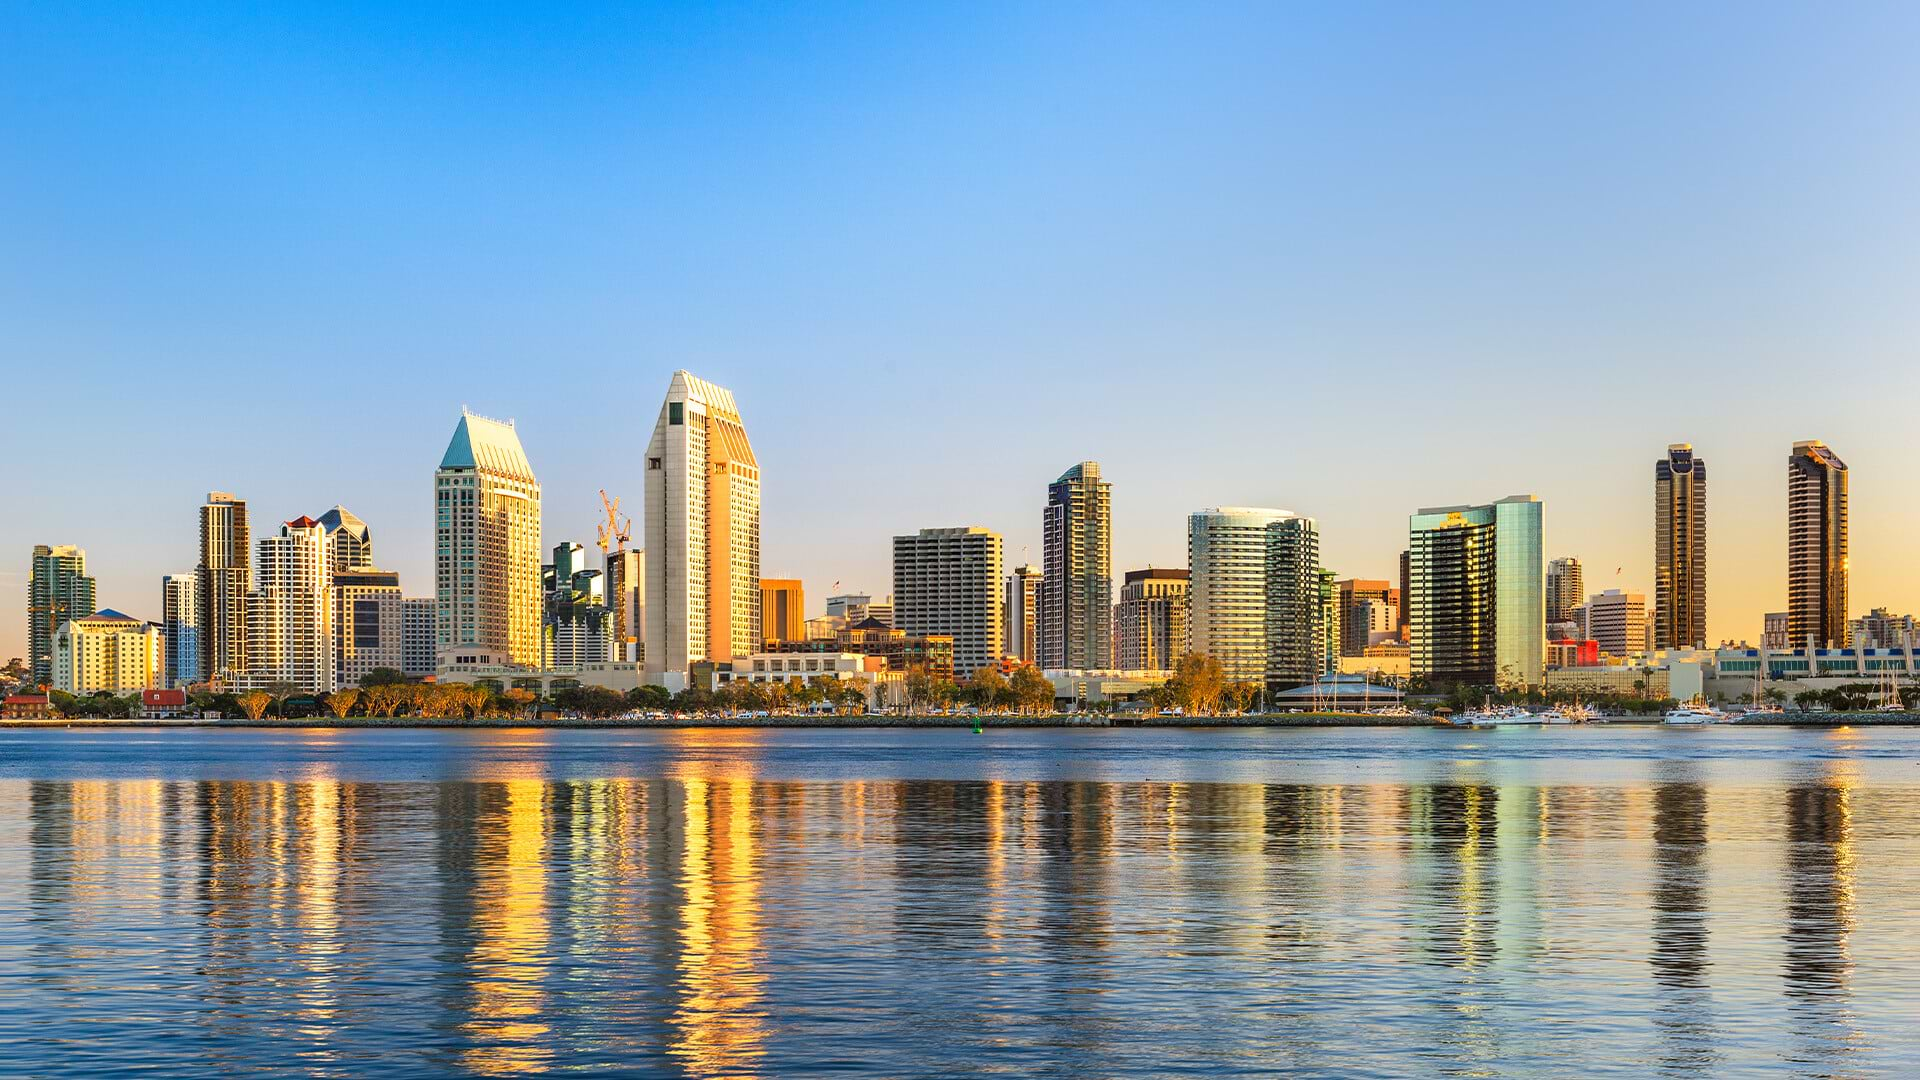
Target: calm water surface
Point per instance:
(922, 903)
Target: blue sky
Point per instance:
(1346, 259)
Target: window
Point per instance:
(676, 412)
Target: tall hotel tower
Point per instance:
(1680, 550)
(225, 576)
(487, 544)
(1478, 595)
(1816, 546)
(702, 530)
(1076, 586)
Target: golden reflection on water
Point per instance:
(719, 1026)
(510, 951)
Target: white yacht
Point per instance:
(1697, 713)
(1576, 713)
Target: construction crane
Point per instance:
(616, 530)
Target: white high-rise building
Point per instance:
(290, 613)
(702, 534)
(487, 545)
(1227, 590)
(180, 624)
(417, 645)
(1617, 620)
(947, 581)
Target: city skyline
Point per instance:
(151, 607)
(1289, 211)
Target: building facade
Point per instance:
(1816, 546)
(1773, 631)
(1368, 608)
(1617, 620)
(1478, 593)
(419, 638)
(1566, 589)
(369, 622)
(1023, 613)
(1151, 619)
(180, 629)
(58, 590)
(290, 614)
(1076, 583)
(947, 581)
(783, 610)
(1227, 591)
(1882, 629)
(702, 522)
(1680, 550)
(107, 651)
(627, 597)
(487, 544)
(225, 574)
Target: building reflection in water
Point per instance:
(707, 921)
(1680, 923)
(1819, 917)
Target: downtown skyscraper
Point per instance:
(1816, 546)
(181, 624)
(1022, 614)
(1478, 595)
(1076, 585)
(487, 544)
(58, 590)
(225, 577)
(290, 614)
(1566, 589)
(1680, 550)
(701, 523)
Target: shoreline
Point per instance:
(1278, 720)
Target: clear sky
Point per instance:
(1346, 259)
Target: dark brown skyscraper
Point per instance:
(1816, 545)
(1680, 550)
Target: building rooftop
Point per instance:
(482, 443)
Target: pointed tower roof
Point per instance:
(483, 443)
(340, 518)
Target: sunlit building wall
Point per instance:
(1680, 550)
(702, 528)
(487, 543)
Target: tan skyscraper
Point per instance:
(290, 615)
(1152, 618)
(1680, 550)
(225, 576)
(487, 544)
(702, 530)
(783, 615)
(1816, 545)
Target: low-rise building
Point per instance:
(901, 651)
(1573, 652)
(1093, 687)
(482, 669)
(1612, 680)
(26, 707)
(883, 688)
(170, 704)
